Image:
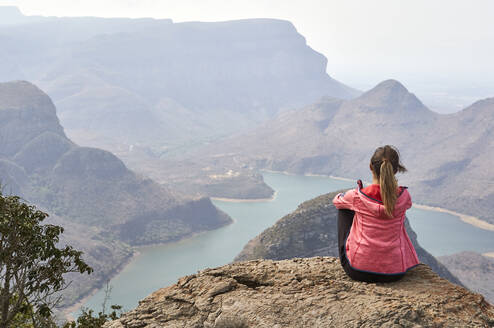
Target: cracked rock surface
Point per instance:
(306, 292)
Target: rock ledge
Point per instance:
(307, 292)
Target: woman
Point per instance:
(372, 240)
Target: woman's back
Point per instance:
(377, 243)
(373, 243)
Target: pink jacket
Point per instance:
(377, 243)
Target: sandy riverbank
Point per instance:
(314, 175)
(246, 200)
(465, 218)
(332, 177)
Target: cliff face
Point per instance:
(311, 292)
(157, 83)
(311, 230)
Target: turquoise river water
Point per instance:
(161, 265)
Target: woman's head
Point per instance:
(386, 153)
(385, 163)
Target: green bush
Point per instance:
(88, 319)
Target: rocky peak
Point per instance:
(391, 85)
(24, 95)
(390, 94)
(86, 162)
(387, 88)
(312, 292)
(25, 113)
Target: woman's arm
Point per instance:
(345, 200)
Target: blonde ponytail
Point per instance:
(389, 186)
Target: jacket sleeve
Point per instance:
(345, 200)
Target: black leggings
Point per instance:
(345, 221)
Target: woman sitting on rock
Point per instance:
(372, 241)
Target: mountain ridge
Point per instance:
(107, 74)
(447, 156)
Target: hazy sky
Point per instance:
(434, 47)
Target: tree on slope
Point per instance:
(32, 264)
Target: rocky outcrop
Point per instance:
(311, 292)
(25, 113)
(311, 230)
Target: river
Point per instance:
(161, 265)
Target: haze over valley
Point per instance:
(105, 207)
(160, 85)
(123, 129)
(163, 96)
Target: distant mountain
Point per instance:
(333, 136)
(87, 188)
(311, 230)
(164, 85)
(455, 168)
(448, 156)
